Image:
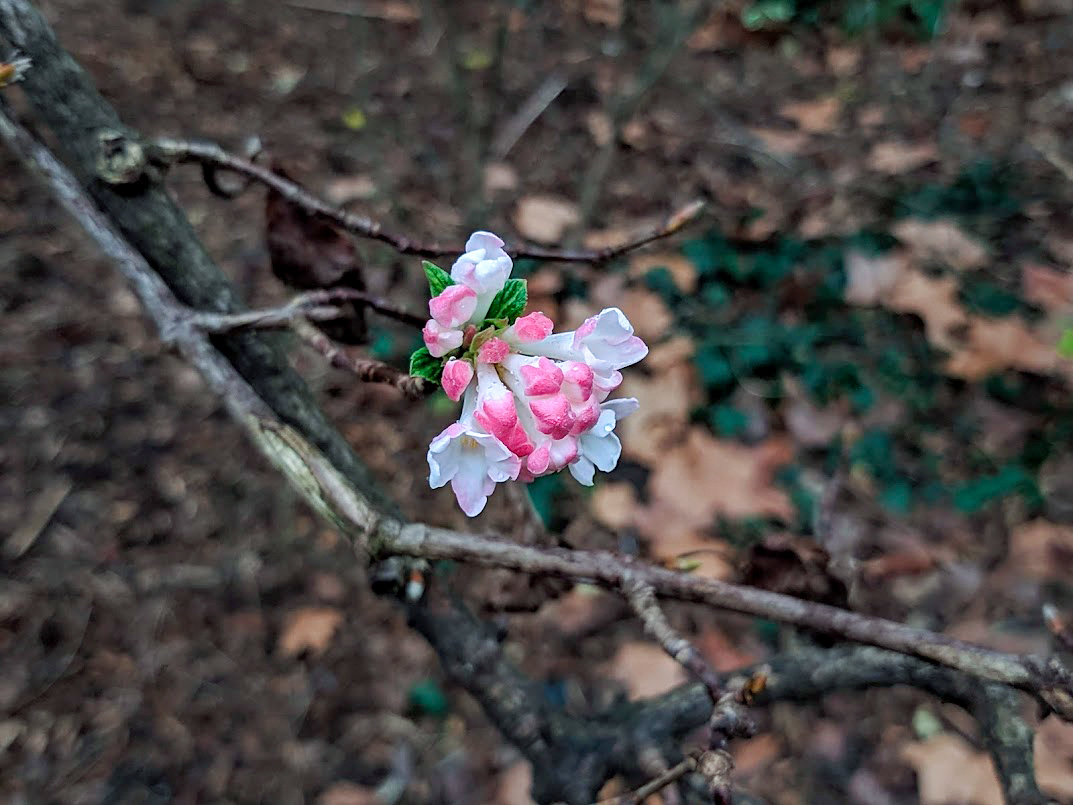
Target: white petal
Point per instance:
(583, 471)
(621, 407)
(604, 453)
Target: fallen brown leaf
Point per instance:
(701, 477)
(1047, 287)
(613, 504)
(647, 313)
(782, 141)
(603, 12)
(1040, 549)
(515, 783)
(666, 399)
(346, 793)
(897, 157)
(682, 270)
(308, 629)
(941, 241)
(934, 299)
(817, 116)
(949, 771)
(544, 219)
(1054, 757)
(645, 669)
(994, 345)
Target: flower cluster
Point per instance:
(534, 402)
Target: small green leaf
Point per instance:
(422, 364)
(427, 698)
(509, 302)
(438, 279)
(1065, 344)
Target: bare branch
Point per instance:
(313, 305)
(654, 786)
(365, 369)
(642, 599)
(1047, 679)
(167, 151)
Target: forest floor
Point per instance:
(855, 385)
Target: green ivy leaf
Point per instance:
(509, 302)
(438, 279)
(422, 364)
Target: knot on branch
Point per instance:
(1056, 686)
(716, 766)
(121, 160)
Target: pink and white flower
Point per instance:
(534, 402)
(472, 461)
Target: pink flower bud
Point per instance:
(578, 381)
(543, 377)
(553, 415)
(456, 378)
(440, 340)
(533, 327)
(493, 350)
(538, 461)
(454, 306)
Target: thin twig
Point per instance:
(365, 369)
(527, 114)
(313, 305)
(171, 150)
(654, 786)
(642, 599)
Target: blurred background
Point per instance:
(857, 389)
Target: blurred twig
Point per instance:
(625, 104)
(170, 150)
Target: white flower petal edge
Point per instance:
(599, 448)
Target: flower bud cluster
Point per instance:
(534, 402)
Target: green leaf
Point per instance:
(422, 364)
(1065, 344)
(438, 279)
(427, 698)
(509, 302)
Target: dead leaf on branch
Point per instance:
(308, 251)
(794, 566)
